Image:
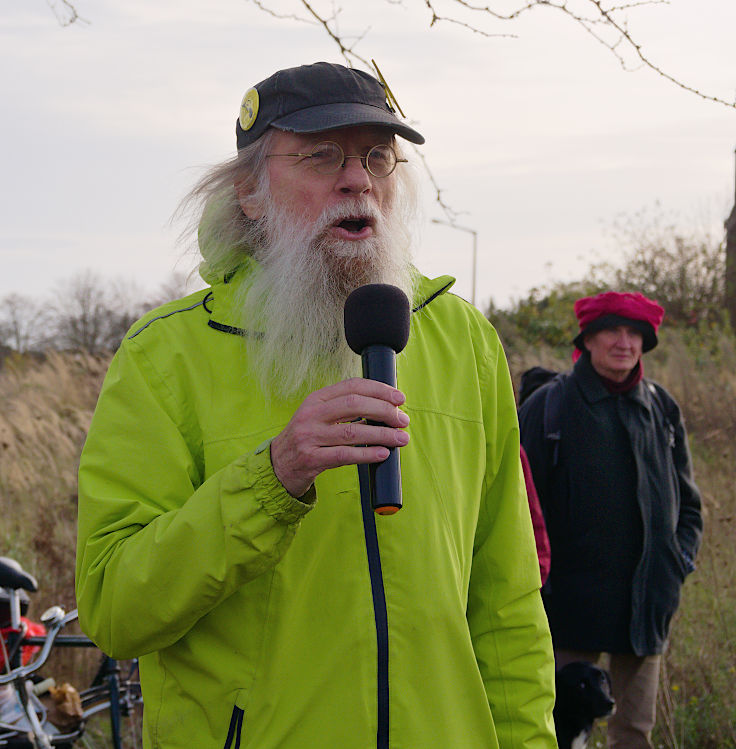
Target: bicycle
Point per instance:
(24, 718)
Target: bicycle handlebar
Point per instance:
(22, 672)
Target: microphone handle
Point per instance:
(384, 478)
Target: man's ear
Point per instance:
(251, 207)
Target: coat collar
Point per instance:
(222, 302)
(594, 390)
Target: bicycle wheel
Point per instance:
(101, 729)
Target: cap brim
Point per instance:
(333, 116)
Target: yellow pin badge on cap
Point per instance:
(249, 109)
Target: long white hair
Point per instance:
(213, 213)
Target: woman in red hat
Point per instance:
(612, 468)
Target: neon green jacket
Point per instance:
(266, 622)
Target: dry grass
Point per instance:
(47, 406)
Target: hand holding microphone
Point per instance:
(377, 322)
(327, 430)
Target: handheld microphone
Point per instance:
(377, 319)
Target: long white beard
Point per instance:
(295, 299)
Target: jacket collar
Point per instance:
(221, 303)
(594, 390)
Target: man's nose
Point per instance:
(353, 177)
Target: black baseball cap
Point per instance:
(313, 98)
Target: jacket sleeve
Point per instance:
(541, 539)
(690, 521)
(508, 625)
(158, 548)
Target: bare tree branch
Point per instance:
(66, 13)
(607, 15)
(282, 16)
(348, 53)
(560, 4)
(469, 27)
(601, 19)
(628, 6)
(484, 9)
(451, 214)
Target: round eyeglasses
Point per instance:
(328, 157)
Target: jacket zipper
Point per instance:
(379, 609)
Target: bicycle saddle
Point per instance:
(13, 576)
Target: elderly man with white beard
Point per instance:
(223, 536)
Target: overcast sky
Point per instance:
(543, 140)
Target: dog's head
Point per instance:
(584, 689)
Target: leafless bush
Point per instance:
(684, 269)
(23, 323)
(83, 313)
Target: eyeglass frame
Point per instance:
(345, 157)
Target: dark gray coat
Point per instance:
(622, 512)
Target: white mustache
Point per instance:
(358, 208)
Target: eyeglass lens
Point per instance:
(328, 157)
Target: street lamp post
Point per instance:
(475, 247)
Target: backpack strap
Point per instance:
(553, 415)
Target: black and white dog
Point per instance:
(583, 694)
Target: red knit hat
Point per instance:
(613, 308)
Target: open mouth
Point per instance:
(355, 225)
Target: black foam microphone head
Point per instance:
(377, 314)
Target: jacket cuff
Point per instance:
(269, 491)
